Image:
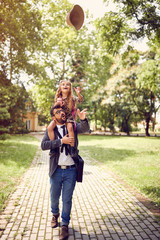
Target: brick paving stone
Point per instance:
(71, 238)
(33, 237)
(157, 233)
(124, 238)
(100, 237)
(115, 236)
(130, 236)
(77, 235)
(138, 238)
(85, 237)
(84, 231)
(102, 208)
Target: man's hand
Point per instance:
(82, 114)
(68, 140)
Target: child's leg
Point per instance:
(50, 128)
(70, 131)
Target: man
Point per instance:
(62, 168)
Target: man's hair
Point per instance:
(55, 107)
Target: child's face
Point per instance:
(65, 86)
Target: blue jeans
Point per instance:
(62, 180)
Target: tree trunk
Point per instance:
(11, 62)
(95, 117)
(154, 122)
(147, 127)
(127, 127)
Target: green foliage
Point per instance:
(36, 39)
(4, 116)
(12, 108)
(112, 32)
(107, 114)
(20, 34)
(43, 95)
(42, 120)
(131, 20)
(133, 102)
(149, 75)
(66, 54)
(133, 88)
(4, 136)
(145, 14)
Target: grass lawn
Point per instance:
(134, 159)
(16, 155)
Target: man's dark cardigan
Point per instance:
(54, 145)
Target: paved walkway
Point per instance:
(102, 208)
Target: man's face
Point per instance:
(59, 116)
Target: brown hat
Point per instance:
(75, 17)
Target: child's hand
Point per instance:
(60, 101)
(77, 90)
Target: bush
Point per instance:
(3, 130)
(4, 136)
(22, 131)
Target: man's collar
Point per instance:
(60, 125)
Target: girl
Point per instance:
(65, 97)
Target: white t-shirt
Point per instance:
(63, 158)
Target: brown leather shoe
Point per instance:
(54, 222)
(64, 233)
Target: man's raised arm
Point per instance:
(83, 126)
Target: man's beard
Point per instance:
(61, 121)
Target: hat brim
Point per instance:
(75, 17)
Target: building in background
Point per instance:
(31, 118)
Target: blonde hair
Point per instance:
(69, 97)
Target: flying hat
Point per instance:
(75, 17)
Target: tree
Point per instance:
(109, 115)
(148, 80)
(144, 100)
(65, 55)
(120, 89)
(132, 20)
(17, 107)
(134, 88)
(145, 16)
(113, 32)
(20, 35)
(13, 98)
(4, 116)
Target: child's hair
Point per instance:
(70, 94)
